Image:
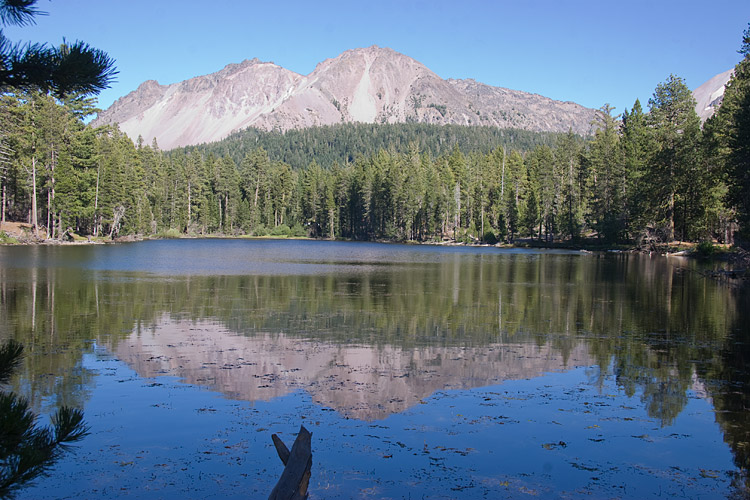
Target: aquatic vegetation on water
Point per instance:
(445, 372)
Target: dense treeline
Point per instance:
(344, 143)
(652, 174)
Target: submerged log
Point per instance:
(294, 480)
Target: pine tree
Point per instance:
(541, 166)
(732, 127)
(636, 145)
(606, 177)
(530, 214)
(673, 168)
(569, 192)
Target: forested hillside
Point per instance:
(344, 143)
(651, 173)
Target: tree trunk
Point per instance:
(502, 180)
(34, 222)
(189, 203)
(257, 188)
(293, 483)
(226, 214)
(49, 212)
(96, 201)
(481, 235)
(570, 197)
(51, 197)
(670, 208)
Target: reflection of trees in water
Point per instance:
(727, 381)
(45, 314)
(654, 323)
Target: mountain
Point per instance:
(369, 85)
(709, 95)
(358, 381)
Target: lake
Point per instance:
(421, 371)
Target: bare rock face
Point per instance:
(709, 96)
(369, 85)
(204, 108)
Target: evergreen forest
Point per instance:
(649, 174)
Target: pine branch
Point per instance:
(10, 357)
(69, 426)
(79, 68)
(19, 12)
(28, 451)
(69, 69)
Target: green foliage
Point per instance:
(170, 233)
(745, 47)
(297, 231)
(677, 182)
(489, 238)
(27, 451)
(705, 249)
(282, 230)
(10, 357)
(636, 145)
(729, 138)
(68, 69)
(5, 239)
(344, 143)
(260, 230)
(441, 108)
(606, 179)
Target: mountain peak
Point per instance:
(709, 95)
(368, 84)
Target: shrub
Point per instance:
(489, 238)
(170, 233)
(298, 231)
(281, 230)
(5, 239)
(705, 249)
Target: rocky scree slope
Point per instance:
(369, 85)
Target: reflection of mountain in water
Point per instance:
(651, 323)
(363, 382)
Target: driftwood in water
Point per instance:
(293, 482)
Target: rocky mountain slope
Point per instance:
(356, 380)
(709, 95)
(370, 85)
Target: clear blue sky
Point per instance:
(590, 52)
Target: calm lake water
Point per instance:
(422, 372)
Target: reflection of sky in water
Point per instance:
(641, 349)
(365, 382)
(564, 435)
(227, 257)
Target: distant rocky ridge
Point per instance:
(369, 85)
(359, 381)
(709, 96)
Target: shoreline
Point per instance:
(18, 233)
(21, 236)
(737, 259)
